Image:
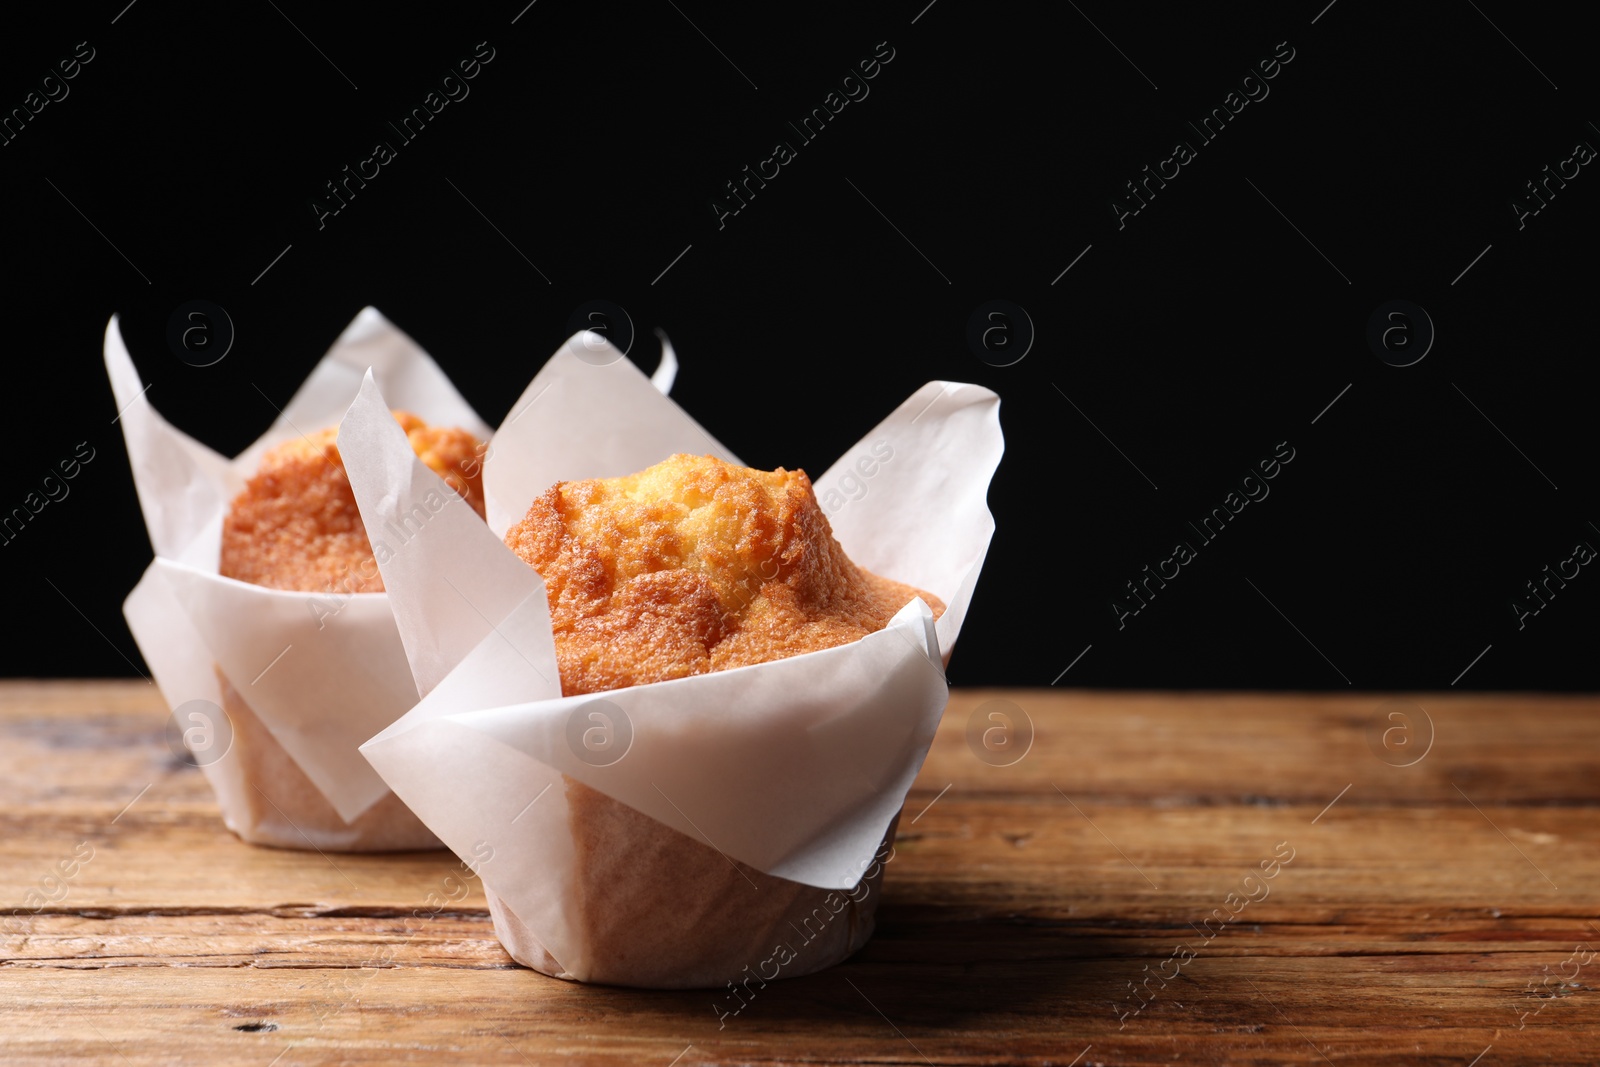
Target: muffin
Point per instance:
(295, 526)
(691, 566)
(694, 565)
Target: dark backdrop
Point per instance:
(1183, 345)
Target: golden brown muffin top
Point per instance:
(694, 565)
(296, 525)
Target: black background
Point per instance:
(1212, 326)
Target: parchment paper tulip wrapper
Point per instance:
(303, 684)
(746, 796)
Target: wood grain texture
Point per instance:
(1431, 913)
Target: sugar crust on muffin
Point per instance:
(296, 525)
(694, 565)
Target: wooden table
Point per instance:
(1429, 913)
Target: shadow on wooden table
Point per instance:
(927, 970)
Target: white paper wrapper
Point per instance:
(742, 800)
(304, 677)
